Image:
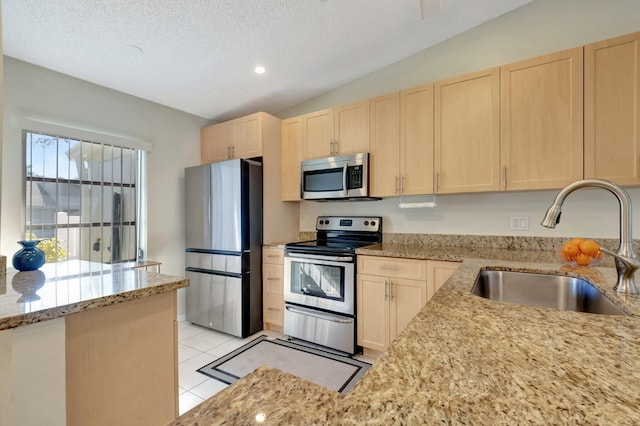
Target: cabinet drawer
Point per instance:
(272, 255)
(273, 309)
(413, 269)
(272, 279)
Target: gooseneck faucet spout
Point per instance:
(625, 258)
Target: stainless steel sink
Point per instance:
(550, 291)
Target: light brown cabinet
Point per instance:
(292, 144)
(612, 110)
(437, 273)
(390, 293)
(542, 121)
(401, 142)
(239, 138)
(122, 362)
(341, 130)
(467, 133)
(273, 288)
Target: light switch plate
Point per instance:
(520, 223)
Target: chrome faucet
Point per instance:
(626, 258)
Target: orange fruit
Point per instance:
(570, 250)
(590, 247)
(583, 259)
(577, 241)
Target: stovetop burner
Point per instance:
(341, 234)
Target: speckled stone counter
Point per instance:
(60, 289)
(469, 360)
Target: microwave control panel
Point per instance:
(355, 177)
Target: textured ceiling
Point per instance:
(198, 56)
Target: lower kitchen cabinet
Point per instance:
(391, 291)
(437, 273)
(273, 288)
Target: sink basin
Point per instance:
(549, 291)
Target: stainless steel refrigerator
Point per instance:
(224, 246)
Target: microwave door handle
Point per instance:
(345, 191)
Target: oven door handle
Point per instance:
(326, 317)
(320, 257)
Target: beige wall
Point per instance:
(537, 28)
(35, 93)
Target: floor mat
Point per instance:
(326, 369)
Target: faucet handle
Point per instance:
(626, 267)
(630, 262)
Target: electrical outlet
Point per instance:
(520, 223)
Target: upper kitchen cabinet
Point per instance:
(338, 131)
(212, 142)
(467, 133)
(239, 138)
(384, 145)
(292, 143)
(612, 110)
(542, 121)
(401, 142)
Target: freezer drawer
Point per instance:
(215, 301)
(326, 329)
(214, 262)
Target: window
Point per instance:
(83, 197)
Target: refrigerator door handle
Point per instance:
(213, 272)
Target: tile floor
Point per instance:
(199, 346)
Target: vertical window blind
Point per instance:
(82, 198)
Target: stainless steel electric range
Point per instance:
(320, 281)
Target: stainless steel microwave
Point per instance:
(344, 177)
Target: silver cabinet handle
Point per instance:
(233, 151)
(273, 309)
(401, 184)
(386, 289)
(504, 177)
(437, 181)
(273, 279)
(390, 267)
(395, 185)
(391, 290)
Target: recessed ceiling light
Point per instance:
(260, 69)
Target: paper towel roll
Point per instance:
(426, 204)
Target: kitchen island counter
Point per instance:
(467, 360)
(64, 288)
(88, 343)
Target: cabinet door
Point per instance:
(542, 143)
(437, 273)
(351, 128)
(292, 143)
(612, 110)
(384, 145)
(247, 136)
(416, 140)
(467, 133)
(273, 309)
(373, 312)
(214, 142)
(318, 136)
(407, 297)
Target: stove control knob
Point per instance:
(366, 223)
(322, 222)
(373, 223)
(326, 222)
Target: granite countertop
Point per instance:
(468, 360)
(59, 289)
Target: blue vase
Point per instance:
(29, 257)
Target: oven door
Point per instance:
(319, 281)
